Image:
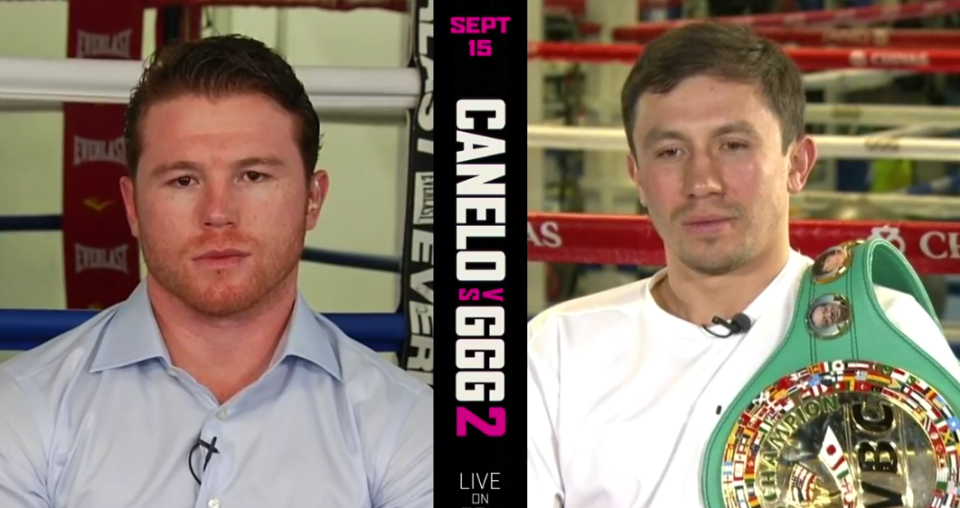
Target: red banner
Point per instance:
(807, 59)
(931, 247)
(101, 257)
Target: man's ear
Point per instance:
(634, 171)
(803, 157)
(129, 192)
(316, 195)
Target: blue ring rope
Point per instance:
(21, 330)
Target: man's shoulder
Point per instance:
(61, 358)
(592, 308)
(366, 371)
(889, 298)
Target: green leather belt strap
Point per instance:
(860, 331)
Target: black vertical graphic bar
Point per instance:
(480, 380)
(416, 291)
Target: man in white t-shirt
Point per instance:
(626, 386)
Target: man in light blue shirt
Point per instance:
(215, 385)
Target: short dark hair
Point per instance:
(218, 66)
(723, 51)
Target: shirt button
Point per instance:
(221, 415)
(213, 503)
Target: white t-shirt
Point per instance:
(622, 396)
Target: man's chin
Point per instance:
(222, 304)
(713, 261)
(221, 297)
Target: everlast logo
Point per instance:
(425, 111)
(93, 258)
(98, 150)
(94, 45)
(424, 199)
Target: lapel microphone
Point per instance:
(210, 448)
(740, 323)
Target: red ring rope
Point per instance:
(931, 247)
(871, 14)
(875, 37)
(808, 59)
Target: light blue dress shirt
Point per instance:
(99, 418)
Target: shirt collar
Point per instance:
(132, 336)
(311, 337)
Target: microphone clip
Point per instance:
(739, 324)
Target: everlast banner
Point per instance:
(417, 276)
(101, 263)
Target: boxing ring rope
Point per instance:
(26, 329)
(858, 15)
(877, 115)
(850, 79)
(873, 37)
(335, 113)
(110, 81)
(807, 59)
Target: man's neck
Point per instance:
(697, 298)
(224, 354)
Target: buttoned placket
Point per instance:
(208, 492)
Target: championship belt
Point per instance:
(848, 412)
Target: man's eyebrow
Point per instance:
(657, 135)
(738, 127)
(168, 167)
(247, 162)
(185, 165)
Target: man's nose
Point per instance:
(702, 176)
(219, 208)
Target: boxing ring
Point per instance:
(353, 94)
(857, 59)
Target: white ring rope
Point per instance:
(928, 208)
(110, 82)
(875, 115)
(851, 80)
